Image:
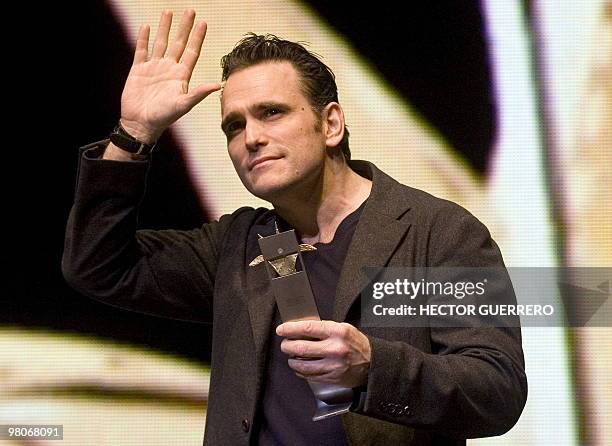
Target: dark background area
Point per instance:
(434, 55)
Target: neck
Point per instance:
(318, 211)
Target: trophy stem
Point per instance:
(295, 301)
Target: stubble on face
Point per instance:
(293, 133)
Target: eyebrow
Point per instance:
(257, 108)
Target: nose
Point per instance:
(254, 135)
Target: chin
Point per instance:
(268, 191)
(265, 193)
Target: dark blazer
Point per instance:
(425, 385)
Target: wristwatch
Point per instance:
(122, 139)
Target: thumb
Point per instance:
(197, 95)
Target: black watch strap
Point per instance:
(122, 139)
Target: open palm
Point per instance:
(156, 92)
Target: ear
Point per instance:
(333, 124)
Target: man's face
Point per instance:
(274, 137)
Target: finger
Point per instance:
(305, 329)
(310, 369)
(161, 39)
(306, 350)
(194, 47)
(178, 46)
(329, 378)
(197, 95)
(142, 44)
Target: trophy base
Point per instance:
(325, 411)
(332, 400)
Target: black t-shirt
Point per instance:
(288, 404)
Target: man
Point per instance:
(287, 139)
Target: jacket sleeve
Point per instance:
(472, 384)
(167, 273)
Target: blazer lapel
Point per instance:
(378, 233)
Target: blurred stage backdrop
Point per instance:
(502, 106)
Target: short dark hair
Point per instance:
(317, 80)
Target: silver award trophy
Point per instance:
(295, 301)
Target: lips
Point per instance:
(261, 159)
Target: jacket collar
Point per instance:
(378, 233)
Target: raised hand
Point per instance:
(157, 92)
